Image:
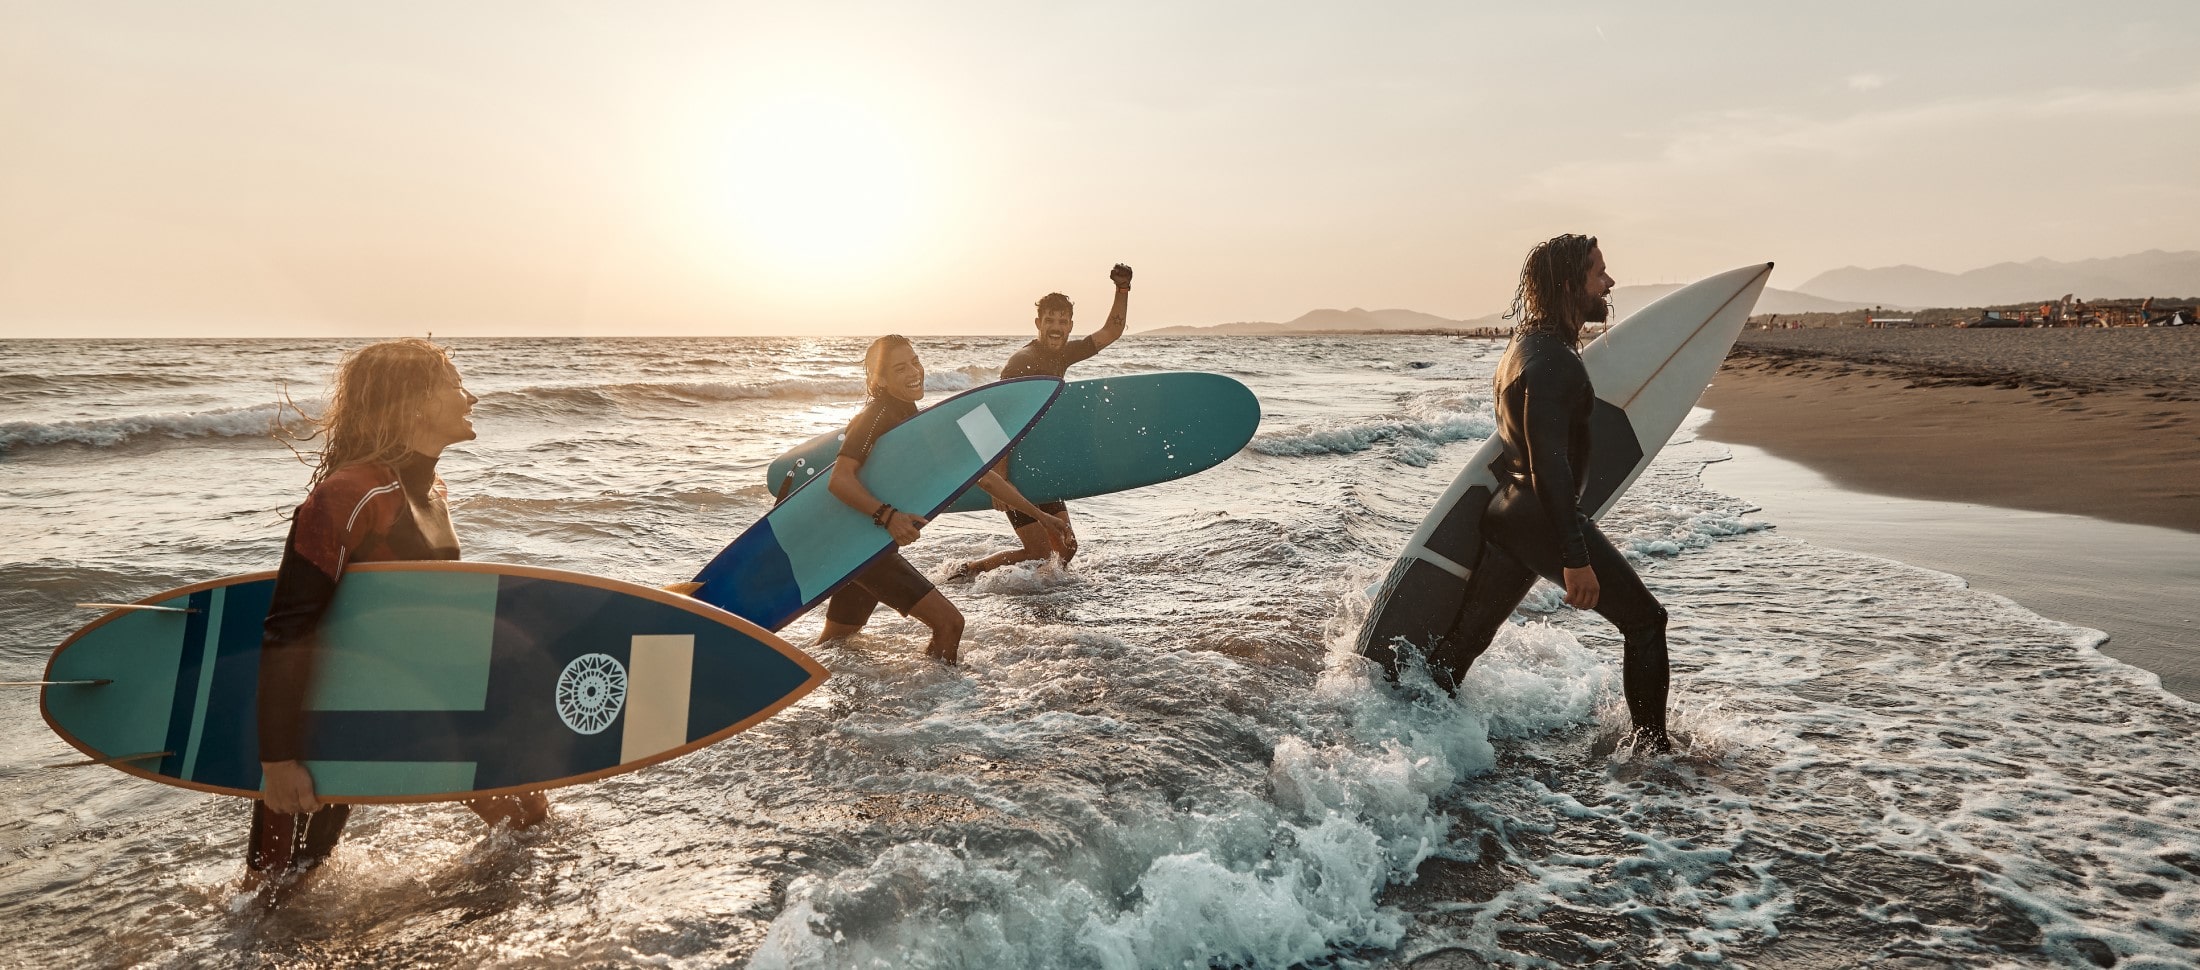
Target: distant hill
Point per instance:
(2151, 273)
(1628, 299)
(1353, 319)
(1625, 300)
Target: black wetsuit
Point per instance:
(1035, 360)
(889, 579)
(1535, 526)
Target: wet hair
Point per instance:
(1551, 284)
(372, 405)
(874, 361)
(1054, 301)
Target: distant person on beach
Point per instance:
(1535, 524)
(893, 377)
(1051, 354)
(375, 497)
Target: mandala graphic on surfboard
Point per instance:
(1648, 371)
(434, 681)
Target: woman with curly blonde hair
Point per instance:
(375, 497)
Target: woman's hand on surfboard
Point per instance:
(287, 787)
(1581, 587)
(905, 527)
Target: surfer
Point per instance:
(1051, 354)
(374, 497)
(1535, 524)
(893, 376)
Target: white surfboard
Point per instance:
(1648, 370)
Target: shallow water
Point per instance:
(1163, 755)
(2139, 584)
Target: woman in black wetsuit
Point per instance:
(1534, 525)
(375, 497)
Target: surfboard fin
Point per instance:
(116, 760)
(135, 606)
(102, 682)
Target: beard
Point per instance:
(1595, 311)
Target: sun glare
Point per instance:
(819, 187)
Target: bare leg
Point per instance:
(523, 811)
(947, 626)
(1038, 543)
(834, 631)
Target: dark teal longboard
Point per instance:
(812, 542)
(435, 681)
(1106, 435)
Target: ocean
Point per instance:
(1164, 755)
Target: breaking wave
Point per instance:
(111, 432)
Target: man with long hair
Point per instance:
(374, 497)
(1535, 524)
(1051, 355)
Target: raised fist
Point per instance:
(1121, 274)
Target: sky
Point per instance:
(309, 168)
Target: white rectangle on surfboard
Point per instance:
(659, 670)
(984, 431)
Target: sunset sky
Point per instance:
(269, 168)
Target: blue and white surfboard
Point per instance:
(434, 681)
(802, 550)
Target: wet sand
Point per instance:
(2107, 426)
(2138, 584)
(1917, 446)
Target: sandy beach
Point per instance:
(1926, 440)
(2099, 423)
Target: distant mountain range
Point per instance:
(2151, 273)
(1353, 319)
(1625, 300)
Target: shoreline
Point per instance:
(2125, 451)
(2139, 585)
(2000, 485)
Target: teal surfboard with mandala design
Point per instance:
(434, 681)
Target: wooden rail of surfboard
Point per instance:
(116, 760)
(147, 607)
